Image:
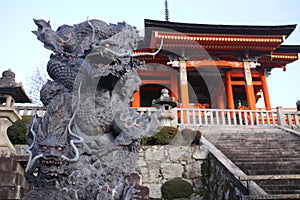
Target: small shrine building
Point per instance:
(212, 66)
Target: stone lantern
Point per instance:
(165, 105)
(10, 93)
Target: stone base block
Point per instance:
(12, 183)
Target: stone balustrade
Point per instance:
(194, 117)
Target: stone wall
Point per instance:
(159, 164)
(208, 177)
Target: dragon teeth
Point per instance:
(51, 162)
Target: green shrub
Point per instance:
(176, 189)
(16, 133)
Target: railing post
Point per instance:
(296, 118)
(280, 116)
(290, 120)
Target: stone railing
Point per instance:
(204, 117)
(227, 117)
(30, 110)
(40, 110)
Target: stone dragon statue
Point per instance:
(86, 144)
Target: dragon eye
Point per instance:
(58, 148)
(44, 147)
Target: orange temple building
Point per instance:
(212, 66)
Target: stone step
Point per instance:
(267, 167)
(261, 138)
(243, 132)
(270, 163)
(286, 136)
(255, 159)
(238, 128)
(248, 134)
(290, 186)
(262, 170)
(251, 143)
(226, 130)
(261, 147)
(281, 189)
(271, 171)
(285, 143)
(243, 129)
(279, 182)
(256, 138)
(258, 144)
(261, 151)
(248, 159)
(258, 154)
(283, 192)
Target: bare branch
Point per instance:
(35, 82)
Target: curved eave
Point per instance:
(288, 49)
(279, 30)
(233, 44)
(207, 42)
(279, 59)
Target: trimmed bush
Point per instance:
(176, 189)
(16, 133)
(161, 138)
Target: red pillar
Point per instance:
(265, 92)
(229, 93)
(250, 97)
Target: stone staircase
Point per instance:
(269, 156)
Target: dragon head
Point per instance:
(51, 148)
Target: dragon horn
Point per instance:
(150, 54)
(128, 54)
(34, 32)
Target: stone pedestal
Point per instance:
(12, 183)
(7, 117)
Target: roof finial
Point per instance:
(166, 11)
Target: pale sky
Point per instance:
(22, 52)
